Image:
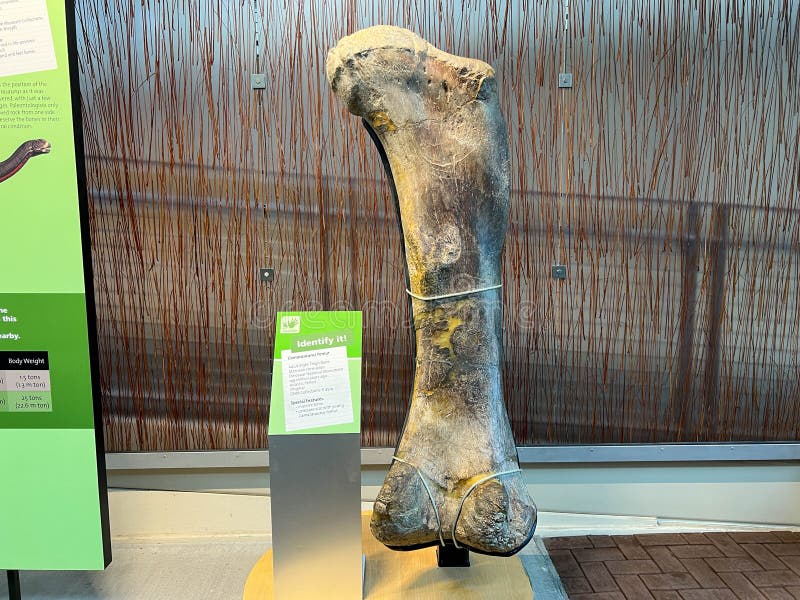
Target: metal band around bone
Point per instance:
(463, 499)
(453, 294)
(430, 495)
(469, 491)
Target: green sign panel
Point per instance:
(316, 377)
(53, 470)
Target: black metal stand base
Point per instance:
(14, 591)
(450, 556)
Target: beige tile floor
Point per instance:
(216, 567)
(200, 569)
(194, 569)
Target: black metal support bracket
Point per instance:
(450, 556)
(14, 590)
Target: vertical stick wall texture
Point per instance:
(196, 181)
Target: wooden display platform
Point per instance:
(414, 575)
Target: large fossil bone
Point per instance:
(436, 120)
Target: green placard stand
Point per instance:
(315, 456)
(55, 513)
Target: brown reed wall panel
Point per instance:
(667, 180)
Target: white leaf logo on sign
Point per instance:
(290, 324)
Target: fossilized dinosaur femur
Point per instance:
(436, 120)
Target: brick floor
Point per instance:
(691, 566)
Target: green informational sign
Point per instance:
(53, 469)
(316, 378)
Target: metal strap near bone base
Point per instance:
(430, 495)
(453, 294)
(469, 491)
(461, 505)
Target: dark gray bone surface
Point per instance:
(437, 121)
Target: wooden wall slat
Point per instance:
(667, 180)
